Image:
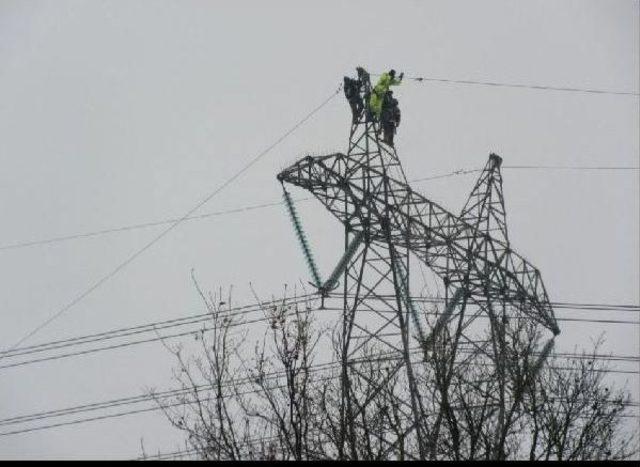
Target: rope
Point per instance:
(518, 85)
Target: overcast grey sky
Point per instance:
(117, 113)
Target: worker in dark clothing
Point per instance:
(395, 113)
(352, 93)
(389, 117)
(363, 77)
(386, 120)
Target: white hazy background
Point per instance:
(116, 113)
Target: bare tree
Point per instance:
(207, 405)
(576, 415)
(287, 400)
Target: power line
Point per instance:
(202, 329)
(142, 398)
(166, 394)
(202, 318)
(205, 329)
(239, 310)
(134, 400)
(123, 401)
(169, 455)
(596, 306)
(569, 167)
(198, 318)
(519, 85)
(96, 233)
(485, 315)
(121, 345)
(152, 326)
(567, 305)
(157, 238)
(153, 397)
(144, 225)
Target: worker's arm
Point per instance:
(396, 81)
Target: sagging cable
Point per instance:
(297, 226)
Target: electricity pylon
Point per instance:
(387, 227)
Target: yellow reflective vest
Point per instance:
(380, 89)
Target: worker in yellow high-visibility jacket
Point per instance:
(377, 96)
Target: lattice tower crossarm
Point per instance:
(443, 241)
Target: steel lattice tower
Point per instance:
(387, 227)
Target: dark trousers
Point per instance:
(388, 130)
(356, 108)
